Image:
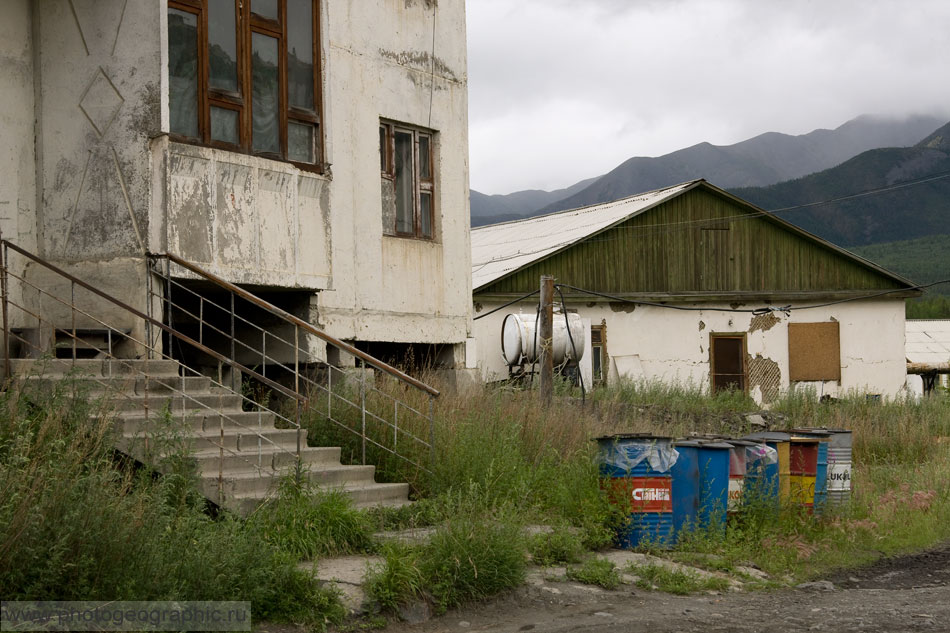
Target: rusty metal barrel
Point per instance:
(635, 472)
(821, 471)
(803, 470)
(839, 464)
(780, 473)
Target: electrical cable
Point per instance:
(755, 311)
(502, 307)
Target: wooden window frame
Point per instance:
(712, 359)
(602, 345)
(247, 23)
(420, 185)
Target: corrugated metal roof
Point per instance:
(928, 341)
(499, 249)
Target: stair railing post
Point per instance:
(297, 383)
(431, 432)
(363, 404)
(4, 258)
(72, 311)
(148, 309)
(232, 342)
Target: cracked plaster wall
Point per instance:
(389, 288)
(109, 184)
(673, 346)
(17, 161)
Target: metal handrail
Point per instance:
(310, 329)
(304, 386)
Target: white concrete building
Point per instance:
(712, 265)
(314, 151)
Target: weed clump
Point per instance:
(309, 523)
(596, 571)
(469, 558)
(680, 582)
(557, 547)
(77, 523)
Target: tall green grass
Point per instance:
(76, 523)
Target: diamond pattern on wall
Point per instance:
(101, 102)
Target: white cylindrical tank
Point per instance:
(519, 342)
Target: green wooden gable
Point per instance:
(705, 242)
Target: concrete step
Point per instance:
(93, 367)
(201, 421)
(268, 459)
(204, 403)
(363, 495)
(262, 485)
(133, 385)
(241, 442)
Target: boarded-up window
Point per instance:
(814, 351)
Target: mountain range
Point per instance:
(763, 160)
(908, 195)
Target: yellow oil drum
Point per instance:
(780, 442)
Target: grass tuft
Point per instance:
(596, 571)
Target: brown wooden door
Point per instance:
(727, 361)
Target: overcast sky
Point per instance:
(561, 90)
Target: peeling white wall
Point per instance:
(98, 103)
(391, 288)
(653, 343)
(109, 185)
(249, 220)
(17, 160)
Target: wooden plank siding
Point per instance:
(700, 242)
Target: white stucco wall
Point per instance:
(673, 346)
(17, 158)
(390, 288)
(17, 166)
(109, 185)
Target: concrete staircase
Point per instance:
(240, 455)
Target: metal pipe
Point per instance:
(4, 259)
(363, 405)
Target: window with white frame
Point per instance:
(406, 162)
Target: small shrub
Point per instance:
(675, 581)
(596, 571)
(398, 579)
(558, 547)
(309, 523)
(471, 558)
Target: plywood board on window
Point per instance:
(814, 351)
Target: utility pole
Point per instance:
(546, 339)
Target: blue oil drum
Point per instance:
(635, 471)
(821, 471)
(700, 485)
(771, 480)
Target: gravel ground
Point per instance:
(907, 593)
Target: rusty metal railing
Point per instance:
(361, 400)
(51, 313)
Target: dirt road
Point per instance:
(909, 593)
